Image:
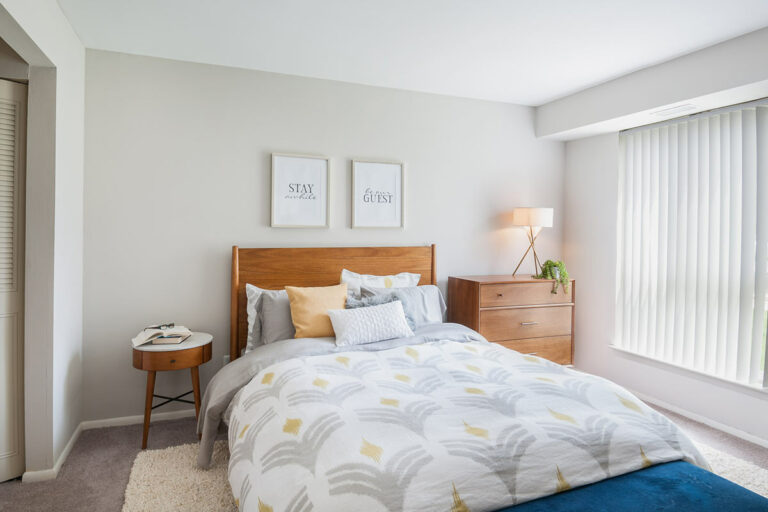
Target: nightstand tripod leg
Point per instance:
(196, 387)
(148, 407)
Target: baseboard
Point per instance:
(746, 436)
(51, 473)
(139, 418)
(31, 477)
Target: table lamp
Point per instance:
(534, 219)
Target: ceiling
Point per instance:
(517, 51)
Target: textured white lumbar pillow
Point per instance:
(371, 324)
(355, 281)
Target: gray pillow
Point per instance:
(373, 300)
(422, 304)
(275, 316)
(253, 297)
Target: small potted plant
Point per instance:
(555, 270)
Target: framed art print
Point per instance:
(300, 191)
(378, 190)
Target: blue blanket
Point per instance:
(674, 486)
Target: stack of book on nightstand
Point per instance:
(163, 334)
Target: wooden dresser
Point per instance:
(518, 312)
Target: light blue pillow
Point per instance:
(422, 304)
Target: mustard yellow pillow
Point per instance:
(309, 308)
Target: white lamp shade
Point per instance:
(535, 217)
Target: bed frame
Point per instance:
(272, 269)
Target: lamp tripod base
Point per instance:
(537, 267)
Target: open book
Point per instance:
(169, 335)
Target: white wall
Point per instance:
(41, 35)
(177, 171)
(589, 244)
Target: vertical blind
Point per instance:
(692, 245)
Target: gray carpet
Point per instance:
(96, 473)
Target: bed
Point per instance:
(441, 420)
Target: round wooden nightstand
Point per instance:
(190, 353)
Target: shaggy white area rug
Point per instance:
(169, 480)
(736, 470)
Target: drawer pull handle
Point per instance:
(529, 323)
(173, 361)
(499, 294)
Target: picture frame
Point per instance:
(300, 191)
(378, 194)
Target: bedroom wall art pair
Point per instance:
(301, 193)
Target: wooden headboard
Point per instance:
(273, 269)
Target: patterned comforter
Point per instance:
(441, 425)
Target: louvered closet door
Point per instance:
(13, 112)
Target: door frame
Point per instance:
(39, 251)
(19, 256)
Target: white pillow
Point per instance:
(371, 324)
(355, 281)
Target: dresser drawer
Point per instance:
(519, 323)
(556, 348)
(522, 294)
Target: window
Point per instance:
(692, 245)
